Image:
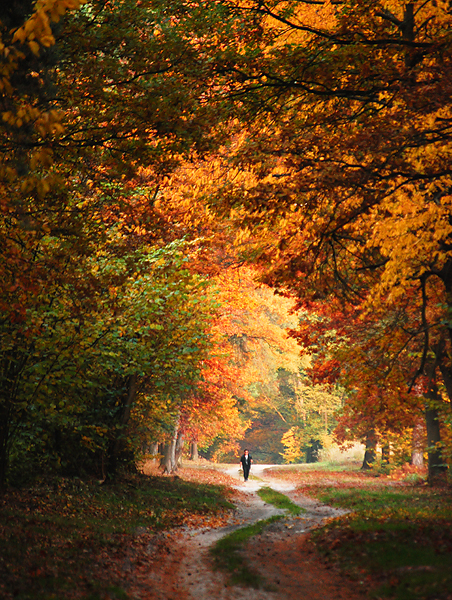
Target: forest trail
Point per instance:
(183, 567)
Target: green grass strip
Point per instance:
(280, 501)
(227, 551)
(227, 557)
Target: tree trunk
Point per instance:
(418, 445)
(173, 446)
(131, 394)
(194, 451)
(154, 450)
(443, 362)
(385, 454)
(165, 462)
(436, 466)
(132, 384)
(371, 450)
(178, 450)
(169, 463)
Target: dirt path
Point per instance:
(182, 570)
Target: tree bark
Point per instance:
(194, 451)
(385, 454)
(132, 385)
(436, 466)
(131, 394)
(178, 450)
(168, 463)
(173, 446)
(418, 445)
(154, 449)
(165, 461)
(371, 450)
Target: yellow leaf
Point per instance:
(47, 41)
(34, 47)
(19, 36)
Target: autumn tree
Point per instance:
(349, 143)
(93, 92)
(254, 321)
(364, 355)
(313, 422)
(258, 364)
(215, 423)
(332, 122)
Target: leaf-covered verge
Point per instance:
(397, 539)
(75, 539)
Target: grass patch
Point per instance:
(227, 551)
(227, 555)
(69, 539)
(279, 500)
(400, 536)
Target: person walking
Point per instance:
(245, 462)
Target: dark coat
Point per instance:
(246, 461)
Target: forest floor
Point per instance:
(181, 567)
(149, 537)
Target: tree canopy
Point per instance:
(147, 147)
(348, 151)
